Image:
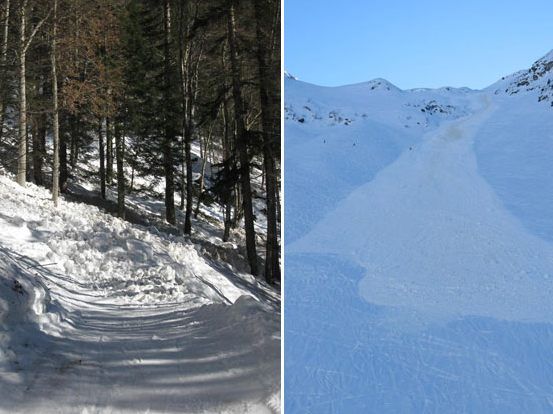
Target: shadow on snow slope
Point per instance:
(345, 355)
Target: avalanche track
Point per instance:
(98, 316)
(426, 288)
(440, 240)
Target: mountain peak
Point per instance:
(381, 84)
(542, 65)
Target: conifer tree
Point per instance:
(184, 92)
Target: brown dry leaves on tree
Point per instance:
(91, 69)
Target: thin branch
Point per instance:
(35, 30)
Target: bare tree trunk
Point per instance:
(226, 155)
(102, 159)
(75, 132)
(169, 130)
(119, 155)
(39, 137)
(277, 195)
(187, 72)
(241, 144)
(22, 146)
(182, 73)
(228, 221)
(238, 207)
(64, 164)
(3, 63)
(189, 182)
(24, 44)
(183, 173)
(272, 266)
(202, 172)
(55, 115)
(109, 152)
(6, 31)
(131, 186)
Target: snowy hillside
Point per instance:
(99, 315)
(538, 78)
(419, 247)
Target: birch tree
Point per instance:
(23, 46)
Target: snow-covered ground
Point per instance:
(419, 248)
(98, 316)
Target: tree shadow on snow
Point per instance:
(128, 357)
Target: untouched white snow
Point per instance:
(99, 316)
(420, 262)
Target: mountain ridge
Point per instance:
(524, 78)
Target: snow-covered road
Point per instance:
(97, 315)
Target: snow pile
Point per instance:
(106, 254)
(98, 315)
(22, 306)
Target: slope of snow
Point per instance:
(98, 315)
(538, 79)
(367, 127)
(420, 267)
(513, 149)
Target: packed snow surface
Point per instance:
(419, 247)
(100, 316)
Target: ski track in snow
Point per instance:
(424, 285)
(107, 317)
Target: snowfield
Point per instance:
(419, 249)
(101, 316)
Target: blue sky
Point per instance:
(414, 43)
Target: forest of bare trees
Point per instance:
(186, 91)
